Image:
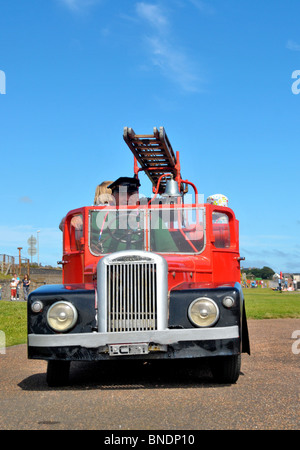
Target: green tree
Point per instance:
(256, 272)
(267, 273)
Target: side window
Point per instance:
(221, 230)
(76, 233)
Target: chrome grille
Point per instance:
(131, 290)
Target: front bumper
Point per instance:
(177, 343)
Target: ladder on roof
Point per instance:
(154, 154)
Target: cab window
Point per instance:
(221, 230)
(76, 233)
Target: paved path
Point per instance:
(162, 397)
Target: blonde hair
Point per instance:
(103, 195)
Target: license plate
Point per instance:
(128, 349)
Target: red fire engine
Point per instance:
(145, 278)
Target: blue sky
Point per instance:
(216, 74)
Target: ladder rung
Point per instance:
(154, 153)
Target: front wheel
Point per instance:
(226, 369)
(58, 373)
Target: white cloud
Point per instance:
(203, 7)
(165, 53)
(276, 251)
(292, 45)
(78, 5)
(174, 64)
(153, 14)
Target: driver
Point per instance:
(113, 232)
(125, 191)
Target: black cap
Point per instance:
(131, 184)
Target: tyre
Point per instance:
(58, 373)
(226, 369)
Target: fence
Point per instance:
(14, 264)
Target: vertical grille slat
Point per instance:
(131, 296)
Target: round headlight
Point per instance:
(203, 312)
(62, 316)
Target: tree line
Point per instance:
(266, 273)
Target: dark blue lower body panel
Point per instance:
(180, 350)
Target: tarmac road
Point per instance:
(159, 397)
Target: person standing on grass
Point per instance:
(17, 279)
(13, 289)
(26, 283)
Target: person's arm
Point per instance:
(61, 225)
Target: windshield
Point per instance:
(160, 230)
(112, 230)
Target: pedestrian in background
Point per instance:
(17, 279)
(26, 284)
(295, 285)
(13, 289)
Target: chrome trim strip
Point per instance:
(164, 337)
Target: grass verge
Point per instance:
(268, 304)
(13, 322)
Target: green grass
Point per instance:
(268, 304)
(5, 277)
(260, 304)
(13, 322)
